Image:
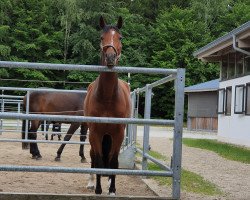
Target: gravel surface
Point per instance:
(232, 177)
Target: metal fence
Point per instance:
(13, 103)
(174, 171)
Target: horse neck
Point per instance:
(107, 85)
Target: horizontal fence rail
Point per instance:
(159, 163)
(93, 68)
(84, 170)
(67, 118)
(11, 96)
(42, 89)
(42, 141)
(157, 83)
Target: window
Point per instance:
(247, 112)
(239, 99)
(220, 103)
(228, 100)
(239, 64)
(224, 65)
(247, 64)
(231, 65)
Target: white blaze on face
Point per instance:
(112, 33)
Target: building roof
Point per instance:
(210, 50)
(204, 87)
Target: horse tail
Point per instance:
(106, 147)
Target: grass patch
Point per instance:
(228, 151)
(190, 182)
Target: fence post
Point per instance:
(178, 127)
(2, 110)
(18, 111)
(131, 126)
(147, 113)
(27, 112)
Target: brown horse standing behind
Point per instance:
(55, 103)
(107, 96)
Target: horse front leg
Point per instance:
(91, 184)
(98, 164)
(73, 127)
(113, 165)
(98, 189)
(83, 137)
(32, 135)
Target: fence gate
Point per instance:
(174, 170)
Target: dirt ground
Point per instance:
(12, 154)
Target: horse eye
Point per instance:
(120, 38)
(101, 38)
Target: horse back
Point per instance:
(62, 103)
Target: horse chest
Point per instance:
(109, 110)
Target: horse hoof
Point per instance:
(39, 157)
(83, 160)
(90, 187)
(111, 193)
(57, 159)
(33, 157)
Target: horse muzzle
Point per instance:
(111, 60)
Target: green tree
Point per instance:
(175, 36)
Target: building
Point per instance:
(202, 106)
(232, 52)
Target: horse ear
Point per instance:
(102, 22)
(119, 23)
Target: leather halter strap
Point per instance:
(110, 46)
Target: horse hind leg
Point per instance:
(73, 127)
(83, 137)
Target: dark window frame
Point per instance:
(223, 101)
(245, 67)
(243, 99)
(226, 102)
(246, 103)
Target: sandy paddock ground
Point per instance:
(60, 183)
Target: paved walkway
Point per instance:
(167, 132)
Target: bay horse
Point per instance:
(54, 103)
(107, 96)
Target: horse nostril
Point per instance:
(110, 58)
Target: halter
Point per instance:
(112, 46)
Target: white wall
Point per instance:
(235, 128)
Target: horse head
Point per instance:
(111, 45)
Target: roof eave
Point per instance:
(227, 39)
(206, 90)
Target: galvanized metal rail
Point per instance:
(174, 74)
